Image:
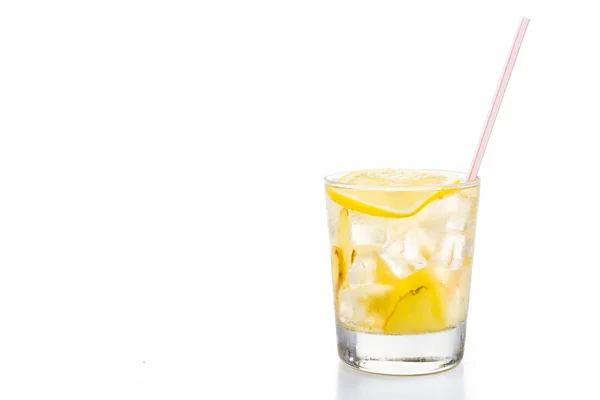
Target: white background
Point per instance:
(162, 218)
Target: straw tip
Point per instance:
(525, 18)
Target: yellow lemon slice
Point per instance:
(420, 307)
(391, 193)
(341, 252)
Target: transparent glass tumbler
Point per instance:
(402, 246)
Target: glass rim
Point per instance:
(333, 180)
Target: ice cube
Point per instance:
(398, 226)
(454, 250)
(460, 212)
(363, 269)
(333, 213)
(457, 295)
(358, 306)
(450, 213)
(368, 230)
(408, 252)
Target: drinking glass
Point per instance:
(402, 246)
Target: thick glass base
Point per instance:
(414, 354)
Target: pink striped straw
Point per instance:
(491, 119)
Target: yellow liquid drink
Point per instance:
(401, 255)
